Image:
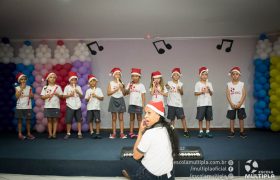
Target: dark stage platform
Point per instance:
(91, 157)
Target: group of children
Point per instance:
(173, 90)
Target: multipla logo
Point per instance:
(252, 168)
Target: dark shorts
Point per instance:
(52, 113)
(241, 114)
(23, 113)
(175, 112)
(204, 112)
(135, 109)
(117, 105)
(73, 113)
(93, 115)
(136, 170)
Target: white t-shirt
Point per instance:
(93, 103)
(54, 101)
(136, 91)
(24, 102)
(114, 86)
(73, 102)
(158, 97)
(156, 146)
(203, 99)
(235, 91)
(174, 97)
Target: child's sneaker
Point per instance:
(231, 135)
(30, 137)
(132, 135)
(112, 136)
(50, 137)
(187, 134)
(80, 136)
(200, 135)
(243, 135)
(208, 135)
(92, 135)
(123, 136)
(67, 136)
(21, 137)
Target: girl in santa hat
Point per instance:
(73, 94)
(204, 91)
(137, 92)
(157, 88)
(174, 100)
(51, 93)
(156, 146)
(23, 107)
(93, 96)
(236, 95)
(116, 90)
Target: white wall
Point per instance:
(189, 55)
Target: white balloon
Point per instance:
(6, 60)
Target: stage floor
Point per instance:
(101, 157)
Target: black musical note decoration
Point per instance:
(91, 46)
(161, 50)
(228, 49)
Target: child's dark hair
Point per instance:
(46, 85)
(172, 136)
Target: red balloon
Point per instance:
(58, 79)
(63, 72)
(60, 43)
(68, 66)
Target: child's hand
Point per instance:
(72, 94)
(167, 87)
(93, 95)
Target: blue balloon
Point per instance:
(267, 112)
(266, 86)
(266, 99)
(259, 124)
(258, 74)
(258, 87)
(262, 68)
(263, 36)
(267, 124)
(261, 93)
(30, 68)
(257, 62)
(261, 104)
(20, 67)
(27, 42)
(263, 80)
(262, 117)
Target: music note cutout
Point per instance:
(91, 45)
(228, 49)
(161, 50)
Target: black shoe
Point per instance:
(97, 136)
(231, 135)
(200, 135)
(243, 135)
(187, 134)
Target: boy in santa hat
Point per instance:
(24, 105)
(137, 92)
(73, 94)
(236, 94)
(93, 96)
(116, 90)
(174, 100)
(51, 94)
(204, 91)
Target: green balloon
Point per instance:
(275, 127)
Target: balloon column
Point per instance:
(81, 52)
(26, 53)
(6, 51)
(261, 82)
(274, 87)
(83, 68)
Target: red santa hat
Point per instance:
(136, 71)
(72, 75)
(19, 76)
(202, 70)
(91, 77)
(157, 107)
(235, 69)
(47, 76)
(176, 70)
(156, 74)
(114, 71)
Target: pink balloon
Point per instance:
(39, 102)
(42, 108)
(84, 114)
(85, 127)
(37, 96)
(48, 66)
(74, 127)
(43, 72)
(39, 115)
(36, 109)
(40, 128)
(38, 78)
(38, 90)
(35, 73)
(45, 121)
(38, 66)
